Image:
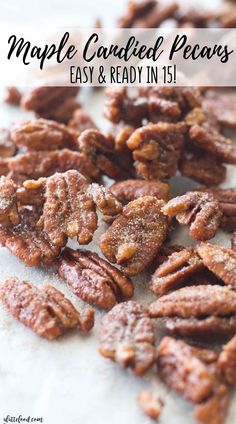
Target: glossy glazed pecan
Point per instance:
(46, 311)
(128, 190)
(126, 337)
(135, 237)
(93, 279)
(150, 403)
(201, 211)
(8, 203)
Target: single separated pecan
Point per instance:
(201, 211)
(183, 370)
(220, 260)
(126, 337)
(46, 311)
(13, 96)
(42, 134)
(157, 148)
(227, 361)
(128, 190)
(150, 403)
(135, 237)
(93, 279)
(178, 268)
(8, 203)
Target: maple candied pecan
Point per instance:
(157, 148)
(135, 237)
(7, 146)
(105, 201)
(196, 301)
(202, 167)
(183, 371)
(28, 242)
(8, 203)
(46, 311)
(227, 361)
(33, 165)
(31, 193)
(42, 134)
(150, 403)
(220, 260)
(228, 19)
(63, 112)
(81, 121)
(201, 211)
(178, 267)
(196, 116)
(222, 108)
(128, 190)
(13, 96)
(214, 409)
(164, 252)
(209, 139)
(126, 337)
(211, 327)
(93, 279)
(134, 11)
(160, 13)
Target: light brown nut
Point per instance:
(211, 327)
(220, 260)
(128, 190)
(157, 149)
(93, 279)
(104, 200)
(175, 270)
(222, 108)
(7, 146)
(135, 237)
(81, 121)
(227, 361)
(195, 117)
(126, 337)
(46, 311)
(62, 112)
(42, 134)
(195, 301)
(214, 410)
(187, 98)
(28, 242)
(150, 403)
(13, 96)
(209, 139)
(8, 203)
(183, 371)
(202, 167)
(201, 211)
(135, 10)
(33, 165)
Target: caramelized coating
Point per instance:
(46, 311)
(227, 361)
(222, 108)
(128, 190)
(135, 237)
(81, 121)
(150, 403)
(93, 279)
(7, 146)
(8, 203)
(126, 337)
(105, 201)
(214, 410)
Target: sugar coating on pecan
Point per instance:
(128, 190)
(201, 211)
(196, 301)
(126, 337)
(105, 201)
(222, 108)
(157, 149)
(8, 203)
(183, 371)
(135, 237)
(81, 121)
(178, 267)
(46, 311)
(150, 403)
(7, 146)
(220, 260)
(43, 134)
(13, 96)
(93, 279)
(227, 361)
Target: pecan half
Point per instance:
(157, 148)
(135, 237)
(178, 267)
(7, 146)
(201, 211)
(8, 203)
(126, 337)
(13, 96)
(93, 279)
(222, 108)
(42, 134)
(46, 311)
(81, 121)
(104, 200)
(220, 260)
(183, 371)
(128, 190)
(150, 403)
(227, 361)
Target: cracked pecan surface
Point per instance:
(46, 311)
(135, 237)
(128, 190)
(93, 279)
(200, 211)
(126, 337)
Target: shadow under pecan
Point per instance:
(7, 146)
(200, 211)
(46, 311)
(126, 337)
(93, 279)
(42, 134)
(135, 237)
(8, 203)
(128, 190)
(156, 149)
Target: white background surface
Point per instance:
(66, 381)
